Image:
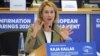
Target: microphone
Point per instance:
(53, 30)
(50, 27)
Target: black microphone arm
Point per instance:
(53, 30)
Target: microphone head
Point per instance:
(50, 26)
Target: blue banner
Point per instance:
(95, 33)
(16, 21)
(71, 49)
(77, 22)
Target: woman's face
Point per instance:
(48, 14)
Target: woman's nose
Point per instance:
(49, 14)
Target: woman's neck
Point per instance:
(47, 27)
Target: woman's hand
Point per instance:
(37, 27)
(65, 32)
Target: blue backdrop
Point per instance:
(95, 34)
(13, 21)
(77, 23)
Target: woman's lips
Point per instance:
(49, 19)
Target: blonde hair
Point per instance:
(51, 4)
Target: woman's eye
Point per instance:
(45, 11)
(52, 11)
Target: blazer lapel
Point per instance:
(41, 37)
(56, 37)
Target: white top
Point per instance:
(48, 36)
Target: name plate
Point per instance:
(71, 49)
(17, 5)
(68, 5)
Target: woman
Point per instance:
(45, 29)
